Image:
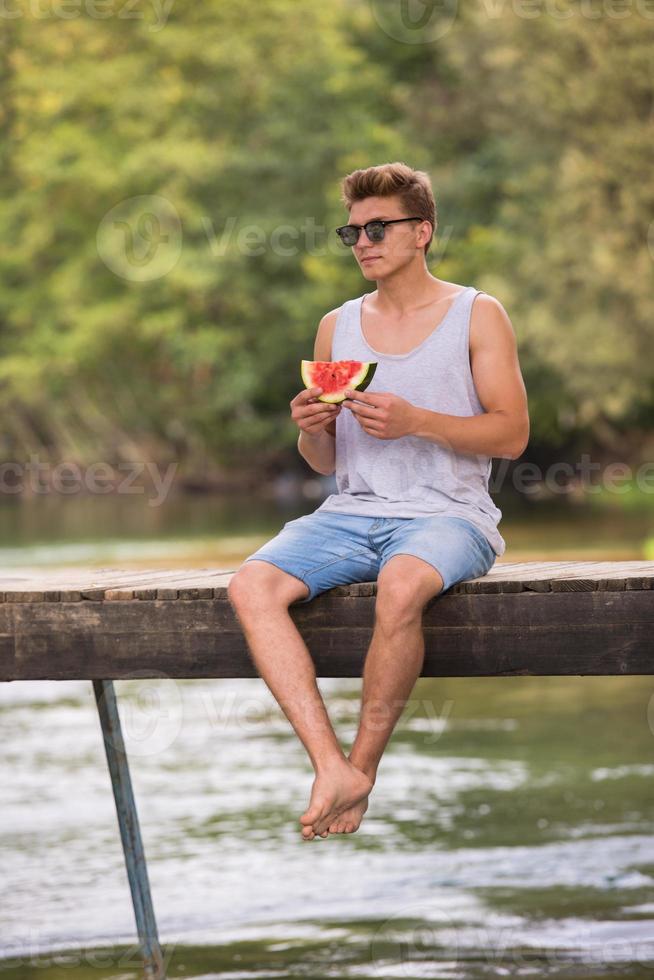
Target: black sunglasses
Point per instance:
(375, 230)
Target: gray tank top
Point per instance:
(412, 476)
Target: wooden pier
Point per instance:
(527, 618)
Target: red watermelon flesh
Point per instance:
(335, 377)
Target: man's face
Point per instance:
(399, 247)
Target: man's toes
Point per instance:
(310, 815)
(324, 824)
(309, 833)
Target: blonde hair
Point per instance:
(413, 187)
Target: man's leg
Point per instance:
(393, 664)
(260, 594)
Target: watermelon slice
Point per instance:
(335, 377)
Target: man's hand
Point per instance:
(382, 414)
(311, 415)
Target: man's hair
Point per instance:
(413, 187)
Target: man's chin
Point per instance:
(371, 270)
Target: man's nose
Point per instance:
(363, 238)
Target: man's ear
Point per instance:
(429, 235)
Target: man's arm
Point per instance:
(320, 450)
(503, 430)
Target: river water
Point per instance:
(510, 832)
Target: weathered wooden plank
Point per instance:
(641, 582)
(28, 585)
(526, 609)
(7, 654)
(167, 593)
(196, 593)
(37, 581)
(574, 585)
(607, 649)
(17, 596)
(482, 586)
(596, 632)
(116, 595)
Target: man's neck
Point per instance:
(408, 292)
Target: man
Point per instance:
(412, 456)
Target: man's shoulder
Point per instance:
(329, 319)
(328, 323)
(486, 302)
(487, 318)
(332, 316)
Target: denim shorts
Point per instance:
(325, 549)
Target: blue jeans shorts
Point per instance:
(325, 549)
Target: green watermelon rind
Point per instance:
(359, 382)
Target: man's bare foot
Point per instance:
(348, 821)
(334, 790)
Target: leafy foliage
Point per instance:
(537, 133)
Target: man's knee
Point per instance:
(403, 590)
(398, 605)
(258, 584)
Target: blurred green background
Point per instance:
(170, 186)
